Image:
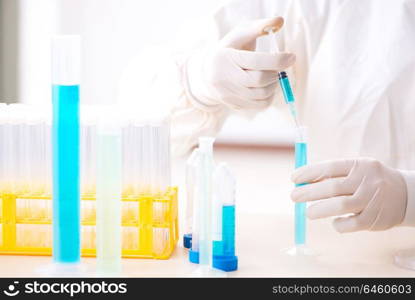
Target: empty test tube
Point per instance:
(88, 148)
(109, 190)
(205, 194)
(201, 250)
(191, 169)
(65, 140)
(3, 128)
(300, 208)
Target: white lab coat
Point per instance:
(354, 75)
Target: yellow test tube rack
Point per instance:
(149, 225)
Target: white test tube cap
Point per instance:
(206, 144)
(66, 60)
(225, 182)
(301, 134)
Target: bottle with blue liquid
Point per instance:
(214, 187)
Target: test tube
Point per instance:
(48, 153)
(205, 198)
(109, 191)
(18, 150)
(65, 141)
(224, 251)
(191, 169)
(3, 126)
(300, 208)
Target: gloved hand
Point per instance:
(373, 193)
(233, 74)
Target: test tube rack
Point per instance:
(149, 225)
(149, 202)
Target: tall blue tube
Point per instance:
(65, 141)
(66, 194)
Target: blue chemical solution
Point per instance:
(66, 194)
(300, 208)
(286, 88)
(228, 230)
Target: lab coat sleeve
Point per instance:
(409, 219)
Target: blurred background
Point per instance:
(113, 33)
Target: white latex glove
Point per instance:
(373, 193)
(231, 73)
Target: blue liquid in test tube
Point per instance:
(300, 208)
(65, 140)
(228, 230)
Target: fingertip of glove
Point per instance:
(339, 225)
(295, 176)
(311, 213)
(273, 25)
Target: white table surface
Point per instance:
(264, 228)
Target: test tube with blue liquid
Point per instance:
(300, 157)
(300, 160)
(300, 207)
(65, 140)
(224, 257)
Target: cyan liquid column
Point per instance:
(300, 208)
(65, 141)
(228, 229)
(109, 189)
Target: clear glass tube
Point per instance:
(191, 169)
(300, 224)
(205, 198)
(3, 128)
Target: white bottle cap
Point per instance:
(66, 60)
